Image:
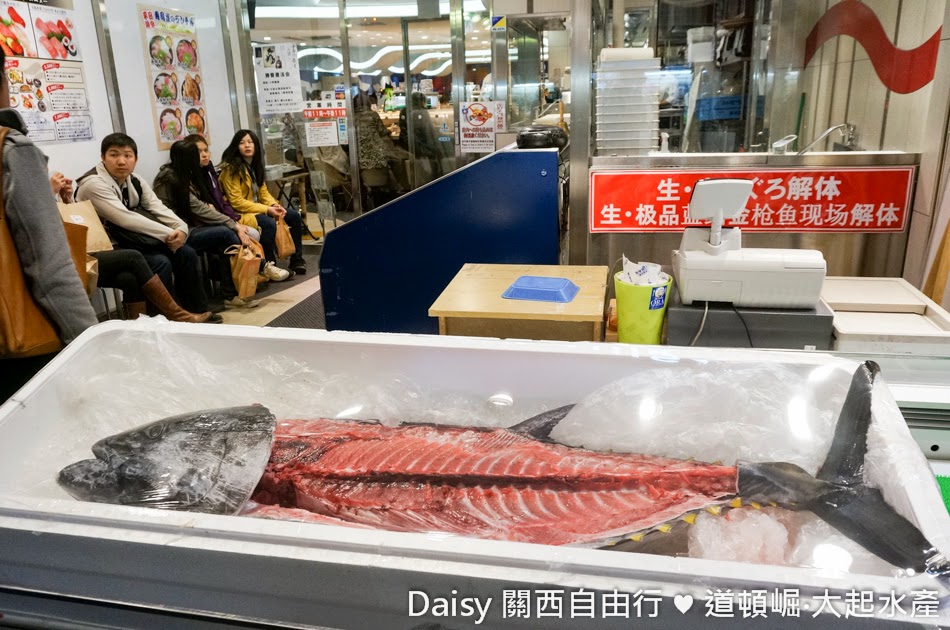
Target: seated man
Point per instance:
(136, 219)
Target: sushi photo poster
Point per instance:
(174, 79)
(44, 69)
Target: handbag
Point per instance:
(84, 213)
(246, 263)
(25, 329)
(284, 241)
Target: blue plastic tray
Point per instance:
(541, 289)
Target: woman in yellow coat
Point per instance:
(242, 180)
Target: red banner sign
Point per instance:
(783, 200)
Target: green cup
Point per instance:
(640, 311)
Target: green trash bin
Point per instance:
(640, 311)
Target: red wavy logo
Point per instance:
(903, 71)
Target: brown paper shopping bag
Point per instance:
(83, 213)
(285, 242)
(245, 265)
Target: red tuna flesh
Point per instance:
(487, 483)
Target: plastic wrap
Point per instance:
(695, 408)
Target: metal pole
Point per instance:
(457, 28)
(581, 62)
(246, 61)
(618, 24)
(229, 60)
(108, 65)
(407, 81)
(499, 67)
(350, 110)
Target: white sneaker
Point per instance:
(237, 302)
(275, 273)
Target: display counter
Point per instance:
(76, 560)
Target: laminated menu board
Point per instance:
(278, 79)
(44, 69)
(174, 77)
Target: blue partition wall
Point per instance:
(382, 271)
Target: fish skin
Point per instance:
(206, 461)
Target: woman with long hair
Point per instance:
(242, 179)
(183, 186)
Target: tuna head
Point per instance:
(206, 461)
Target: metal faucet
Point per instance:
(847, 132)
(781, 146)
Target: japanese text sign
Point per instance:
(783, 200)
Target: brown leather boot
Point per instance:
(134, 310)
(157, 294)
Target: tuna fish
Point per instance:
(511, 484)
(207, 461)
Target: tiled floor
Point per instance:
(272, 306)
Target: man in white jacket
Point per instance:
(136, 219)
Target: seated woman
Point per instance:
(127, 270)
(213, 186)
(242, 179)
(182, 186)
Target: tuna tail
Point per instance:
(838, 494)
(540, 426)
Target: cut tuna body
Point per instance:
(489, 483)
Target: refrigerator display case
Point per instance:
(62, 559)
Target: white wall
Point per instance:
(75, 158)
(131, 72)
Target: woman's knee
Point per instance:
(292, 218)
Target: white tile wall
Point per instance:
(839, 92)
(886, 11)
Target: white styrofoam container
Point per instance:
(301, 573)
(621, 134)
(611, 122)
(633, 145)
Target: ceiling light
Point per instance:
(267, 39)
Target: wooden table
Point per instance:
(472, 304)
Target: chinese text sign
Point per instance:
(792, 200)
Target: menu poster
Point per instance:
(278, 79)
(174, 78)
(44, 70)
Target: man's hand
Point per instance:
(61, 186)
(175, 240)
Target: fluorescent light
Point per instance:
(403, 9)
(267, 39)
